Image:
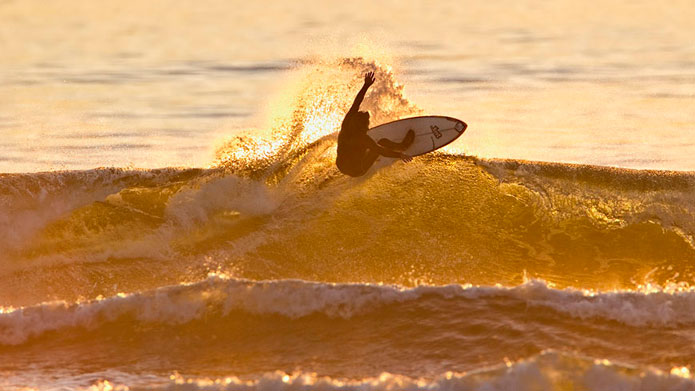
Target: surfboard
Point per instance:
(431, 132)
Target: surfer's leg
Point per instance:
(407, 141)
(368, 160)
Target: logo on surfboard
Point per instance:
(435, 131)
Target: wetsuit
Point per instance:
(357, 151)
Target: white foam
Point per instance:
(294, 298)
(30, 201)
(230, 193)
(547, 371)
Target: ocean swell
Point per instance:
(217, 297)
(549, 370)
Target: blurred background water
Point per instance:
(161, 83)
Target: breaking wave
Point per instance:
(440, 220)
(547, 371)
(222, 311)
(219, 296)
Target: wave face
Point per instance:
(255, 326)
(442, 219)
(434, 272)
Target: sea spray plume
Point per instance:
(312, 110)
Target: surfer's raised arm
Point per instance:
(368, 81)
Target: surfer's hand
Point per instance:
(406, 158)
(369, 78)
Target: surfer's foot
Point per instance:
(403, 145)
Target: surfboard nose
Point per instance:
(460, 126)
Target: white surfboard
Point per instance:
(431, 132)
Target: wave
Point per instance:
(440, 220)
(218, 296)
(275, 207)
(264, 316)
(549, 370)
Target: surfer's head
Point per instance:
(362, 119)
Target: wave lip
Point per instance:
(218, 296)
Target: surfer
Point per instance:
(357, 151)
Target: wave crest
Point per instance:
(219, 297)
(549, 370)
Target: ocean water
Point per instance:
(171, 217)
